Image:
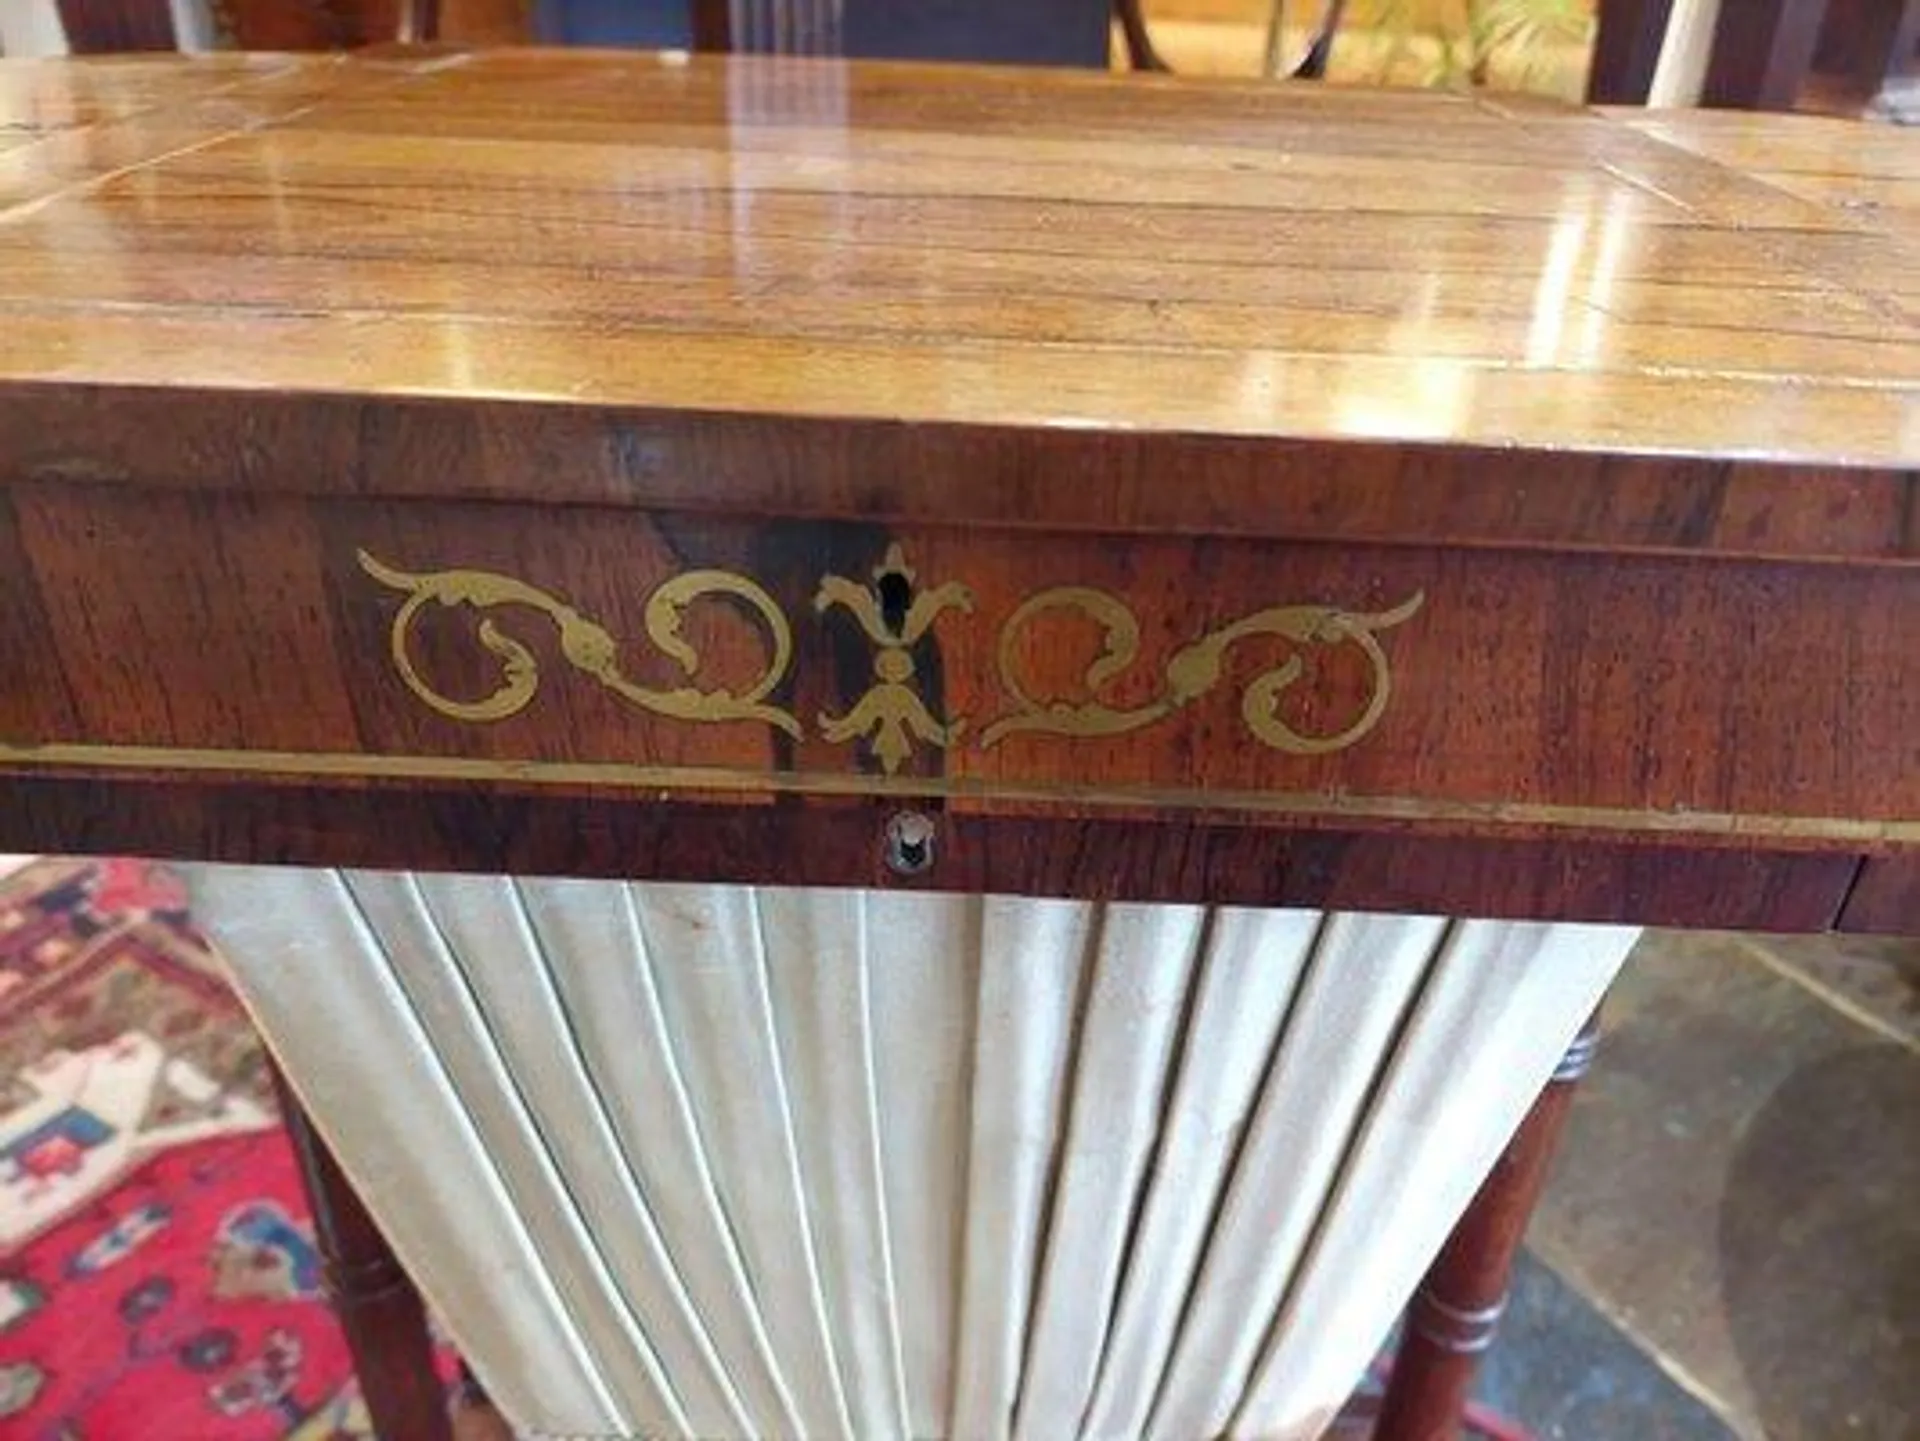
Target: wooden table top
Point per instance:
(1869, 172)
(982, 247)
(628, 465)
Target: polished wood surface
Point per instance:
(987, 248)
(645, 466)
(1456, 1313)
(641, 465)
(1869, 173)
(380, 1310)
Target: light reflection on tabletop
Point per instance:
(941, 245)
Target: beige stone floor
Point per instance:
(1740, 1189)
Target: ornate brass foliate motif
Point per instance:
(894, 617)
(587, 645)
(892, 715)
(1194, 669)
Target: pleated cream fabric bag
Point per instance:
(716, 1161)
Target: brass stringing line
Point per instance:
(661, 782)
(1189, 673)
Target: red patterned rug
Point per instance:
(157, 1271)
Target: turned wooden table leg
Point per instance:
(1453, 1317)
(379, 1309)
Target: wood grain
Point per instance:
(1615, 421)
(1456, 1312)
(481, 449)
(498, 830)
(989, 249)
(1529, 691)
(1885, 896)
(380, 1311)
(1867, 172)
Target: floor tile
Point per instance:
(1875, 977)
(1562, 1370)
(1738, 1190)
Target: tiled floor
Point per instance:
(1740, 1196)
(1572, 1375)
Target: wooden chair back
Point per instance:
(1757, 54)
(104, 26)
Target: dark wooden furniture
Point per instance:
(98, 26)
(95, 27)
(1886, 60)
(1456, 1313)
(1627, 40)
(1763, 51)
(863, 474)
(380, 1310)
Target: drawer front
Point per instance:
(1499, 694)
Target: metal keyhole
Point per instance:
(896, 598)
(909, 845)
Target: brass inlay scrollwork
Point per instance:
(891, 712)
(587, 645)
(1194, 670)
(891, 715)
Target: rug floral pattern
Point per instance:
(158, 1276)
